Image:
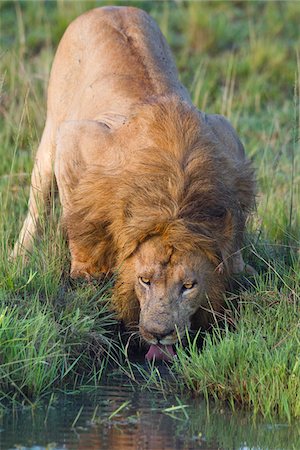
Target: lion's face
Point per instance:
(170, 286)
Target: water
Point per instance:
(145, 421)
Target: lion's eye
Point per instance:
(188, 285)
(145, 281)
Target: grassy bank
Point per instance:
(238, 59)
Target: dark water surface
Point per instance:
(145, 420)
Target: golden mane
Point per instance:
(173, 188)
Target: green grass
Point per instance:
(254, 361)
(257, 365)
(51, 339)
(236, 58)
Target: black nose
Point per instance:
(160, 336)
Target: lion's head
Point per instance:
(170, 286)
(164, 287)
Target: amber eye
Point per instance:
(188, 285)
(144, 280)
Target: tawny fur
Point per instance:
(183, 188)
(134, 159)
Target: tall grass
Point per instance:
(256, 365)
(237, 58)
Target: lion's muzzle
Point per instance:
(159, 335)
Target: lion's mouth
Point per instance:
(160, 352)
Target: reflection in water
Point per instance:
(121, 417)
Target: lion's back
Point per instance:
(110, 58)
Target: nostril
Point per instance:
(160, 336)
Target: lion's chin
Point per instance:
(160, 352)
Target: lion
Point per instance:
(151, 188)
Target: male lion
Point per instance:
(150, 187)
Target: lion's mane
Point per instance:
(183, 188)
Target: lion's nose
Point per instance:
(159, 335)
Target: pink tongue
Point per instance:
(163, 352)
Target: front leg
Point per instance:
(80, 146)
(83, 265)
(239, 265)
